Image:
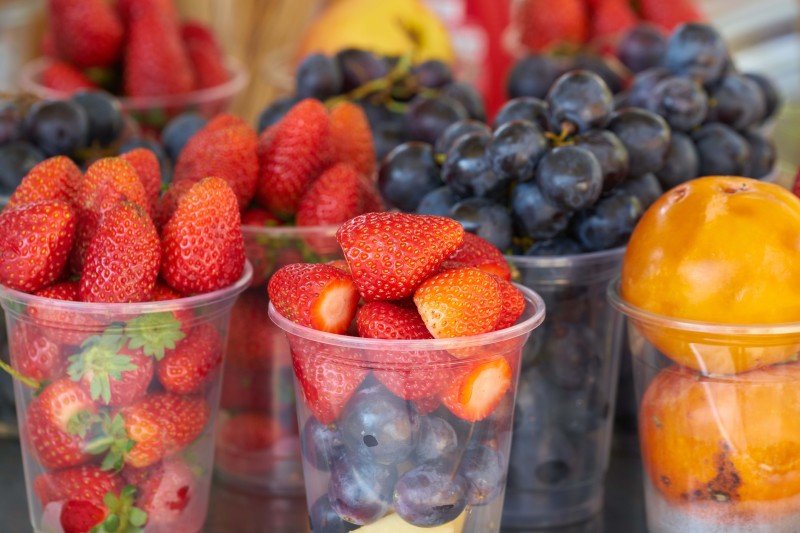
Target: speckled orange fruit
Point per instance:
(728, 446)
(722, 250)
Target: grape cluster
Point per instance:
(403, 102)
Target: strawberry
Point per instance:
(56, 178)
(480, 253)
(334, 197)
(184, 317)
(611, 18)
(513, 305)
(131, 9)
(87, 33)
(166, 494)
(544, 24)
(156, 62)
(314, 295)
(62, 326)
(226, 148)
(65, 78)
(259, 217)
(326, 384)
(351, 138)
(243, 388)
(33, 355)
(391, 254)
(202, 245)
(371, 198)
(145, 163)
(426, 406)
(293, 155)
(35, 242)
(476, 389)
(248, 432)
(384, 320)
(253, 338)
(459, 303)
(182, 417)
(670, 15)
(56, 423)
(193, 363)
(81, 516)
(122, 260)
(341, 264)
(205, 55)
(166, 205)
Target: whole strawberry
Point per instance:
(202, 245)
(87, 33)
(35, 242)
(478, 252)
(193, 363)
(56, 178)
(544, 24)
(33, 355)
(65, 78)
(670, 15)
(333, 198)
(208, 61)
(62, 326)
(145, 163)
(351, 137)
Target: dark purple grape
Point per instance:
(318, 76)
(17, 158)
(610, 153)
(483, 468)
(541, 461)
(523, 108)
(430, 495)
(561, 245)
(533, 215)
(486, 219)
(179, 130)
(569, 357)
(737, 101)
(570, 177)
(607, 224)
(379, 427)
(514, 150)
(681, 101)
(323, 519)
(681, 164)
(438, 202)
(642, 47)
(432, 74)
(646, 189)
(105, 116)
(762, 155)
(601, 67)
(698, 51)
(468, 170)
(643, 85)
(456, 130)
(275, 111)
(469, 97)
(772, 98)
(437, 440)
(407, 174)
(57, 127)
(388, 135)
(360, 491)
(645, 136)
(721, 150)
(580, 98)
(532, 76)
(320, 443)
(11, 128)
(359, 66)
(427, 118)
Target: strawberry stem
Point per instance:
(28, 382)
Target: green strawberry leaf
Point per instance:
(99, 360)
(80, 423)
(138, 517)
(154, 333)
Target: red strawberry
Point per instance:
(156, 62)
(85, 483)
(130, 9)
(202, 245)
(141, 427)
(459, 303)
(254, 340)
(122, 259)
(183, 417)
(65, 78)
(193, 363)
(81, 516)
(87, 33)
(544, 24)
(325, 383)
(299, 150)
(426, 406)
(480, 253)
(207, 59)
(417, 374)
(63, 326)
(391, 254)
(341, 264)
(56, 422)
(259, 217)
(512, 307)
(611, 18)
(226, 148)
(56, 178)
(166, 493)
(314, 295)
(478, 388)
(371, 198)
(165, 207)
(248, 432)
(33, 355)
(145, 163)
(670, 15)
(244, 388)
(163, 292)
(351, 138)
(334, 197)
(384, 320)
(35, 242)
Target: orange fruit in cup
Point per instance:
(718, 250)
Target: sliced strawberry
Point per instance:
(33, 355)
(81, 516)
(459, 303)
(333, 198)
(56, 178)
(480, 253)
(168, 494)
(476, 389)
(314, 295)
(341, 264)
(391, 254)
(351, 137)
(513, 305)
(194, 362)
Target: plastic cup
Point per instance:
(721, 453)
(258, 446)
(94, 441)
(18, 38)
(568, 384)
(374, 426)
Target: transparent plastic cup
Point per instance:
(258, 446)
(19, 38)
(568, 383)
(114, 422)
(382, 444)
(721, 453)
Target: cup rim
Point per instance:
(569, 260)
(714, 328)
(291, 231)
(9, 295)
(362, 344)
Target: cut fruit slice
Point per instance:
(395, 524)
(477, 389)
